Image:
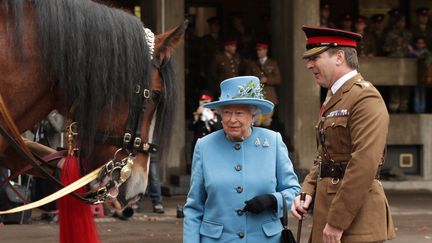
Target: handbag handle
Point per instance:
(285, 216)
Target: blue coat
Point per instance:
(224, 175)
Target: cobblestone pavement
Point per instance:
(412, 213)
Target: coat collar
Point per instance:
(345, 88)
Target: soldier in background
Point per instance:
(377, 33)
(367, 46)
(345, 22)
(211, 44)
(397, 44)
(422, 27)
(325, 16)
(398, 39)
(267, 70)
(244, 37)
(226, 65)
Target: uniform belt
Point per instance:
(332, 170)
(337, 170)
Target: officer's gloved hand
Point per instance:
(261, 203)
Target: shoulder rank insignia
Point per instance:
(257, 142)
(338, 113)
(266, 143)
(364, 84)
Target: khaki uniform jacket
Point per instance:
(226, 67)
(270, 69)
(355, 128)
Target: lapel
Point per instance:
(345, 88)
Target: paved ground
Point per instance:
(412, 213)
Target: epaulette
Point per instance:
(363, 83)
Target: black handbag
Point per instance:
(286, 235)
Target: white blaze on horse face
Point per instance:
(138, 181)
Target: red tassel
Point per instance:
(75, 216)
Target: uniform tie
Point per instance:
(328, 97)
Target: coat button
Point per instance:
(241, 234)
(239, 189)
(238, 167)
(237, 146)
(240, 212)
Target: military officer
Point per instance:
(346, 21)
(348, 199)
(240, 174)
(267, 70)
(211, 44)
(398, 38)
(377, 31)
(367, 46)
(325, 15)
(227, 64)
(422, 27)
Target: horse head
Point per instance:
(151, 111)
(102, 70)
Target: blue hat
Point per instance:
(242, 90)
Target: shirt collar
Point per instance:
(342, 80)
(262, 60)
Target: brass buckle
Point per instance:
(335, 181)
(127, 138)
(137, 89)
(146, 93)
(137, 142)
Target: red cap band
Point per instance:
(230, 42)
(263, 45)
(339, 40)
(206, 97)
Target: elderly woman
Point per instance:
(240, 174)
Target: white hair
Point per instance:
(255, 110)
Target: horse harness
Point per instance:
(119, 170)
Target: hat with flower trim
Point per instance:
(242, 90)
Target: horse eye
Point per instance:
(156, 95)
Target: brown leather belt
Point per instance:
(333, 170)
(336, 170)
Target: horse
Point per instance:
(100, 68)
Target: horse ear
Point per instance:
(166, 42)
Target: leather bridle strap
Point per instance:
(29, 160)
(58, 194)
(42, 161)
(118, 141)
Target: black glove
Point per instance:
(260, 203)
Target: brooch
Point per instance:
(266, 143)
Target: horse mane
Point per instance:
(95, 55)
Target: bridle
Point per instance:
(118, 170)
